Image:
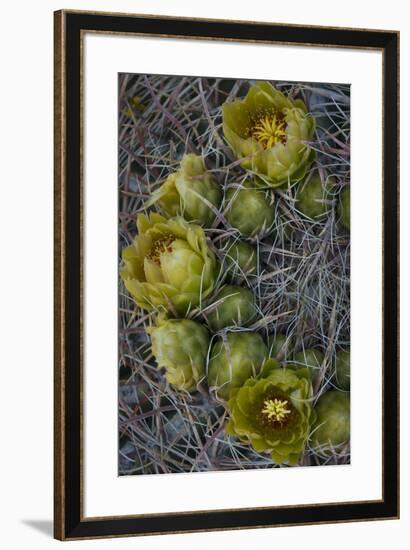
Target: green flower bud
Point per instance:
(273, 414)
(268, 366)
(310, 358)
(181, 347)
(190, 192)
(249, 209)
(270, 132)
(343, 207)
(169, 265)
(331, 430)
(233, 360)
(278, 346)
(312, 197)
(240, 259)
(343, 369)
(234, 306)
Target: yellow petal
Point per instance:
(167, 196)
(133, 264)
(153, 273)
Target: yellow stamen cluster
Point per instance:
(159, 247)
(268, 128)
(275, 409)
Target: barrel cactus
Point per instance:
(233, 306)
(343, 207)
(240, 259)
(181, 347)
(249, 208)
(342, 368)
(313, 197)
(331, 431)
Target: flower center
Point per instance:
(159, 247)
(268, 128)
(275, 409)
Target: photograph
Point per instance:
(223, 317)
(233, 274)
(211, 330)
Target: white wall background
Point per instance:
(26, 125)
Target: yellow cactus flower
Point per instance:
(270, 133)
(169, 265)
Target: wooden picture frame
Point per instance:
(70, 522)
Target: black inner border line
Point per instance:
(229, 519)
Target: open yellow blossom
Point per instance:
(270, 133)
(169, 265)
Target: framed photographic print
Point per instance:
(226, 264)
